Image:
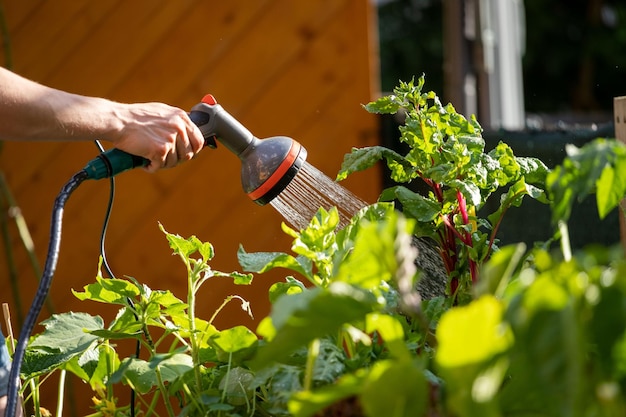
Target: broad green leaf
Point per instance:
(583, 171)
(533, 170)
(234, 339)
(392, 333)
(384, 105)
(297, 319)
(237, 384)
(363, 158)
(141, 375)
(187, 247)
(395, 388)
(291, 286)
(308, 403)
(472, 334)
(499, 270)
(65, 336)
(608, 326)
(109, 291)
(610, 190)
(261, 262)
(413, 204)
(95, 365)
(372, 261)
(548, 361)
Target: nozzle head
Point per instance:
(269, 165)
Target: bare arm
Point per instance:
(158, 132)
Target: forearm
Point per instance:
(31, 111)
(156, 131)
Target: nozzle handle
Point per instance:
(111, 163)
(216, 123)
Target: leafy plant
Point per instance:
(521, 333)
(447, 153)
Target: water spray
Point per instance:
(268, 166)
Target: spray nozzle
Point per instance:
(268, 165)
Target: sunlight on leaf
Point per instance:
(472, 334)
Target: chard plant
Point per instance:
(529, 332)
(447, 153)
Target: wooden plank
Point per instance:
(120, 41)
(619, 116)
(21, 162)
(199, 38)
(53, 44)
(31, 43)
(258, 57)
(17, 12)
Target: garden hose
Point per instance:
(42, 290)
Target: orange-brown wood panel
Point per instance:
(300, 69)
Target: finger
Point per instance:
(196, 139)
(184, 150)
(194, 136)
(172, 159)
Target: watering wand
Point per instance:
(267, 167)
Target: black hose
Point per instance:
(42, 290)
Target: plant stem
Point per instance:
(565, 243)
(314, 351)
(163, 390)
(468, 236)
(192, 278)
(227, 376)
(61, 393)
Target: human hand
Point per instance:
(162, 134)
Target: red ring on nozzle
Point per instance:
(277, 175)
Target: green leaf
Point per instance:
(109, 291)
(65, 336)
(187, 247)
(373, 258)
(234, 339)
(392, 333)
(533, 170)
(308, 403)
(610, 190)
(513, 198)
(414, 205)
(141, 375)
(583, 172)
(384, 105)
(95, 365)
(362, 158)
(291, 286)
(395, 388)
(300, 318)
(261, 262)
(497, 273)
(472, 334)
(237, 384)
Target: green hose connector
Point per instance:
(112, 162)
